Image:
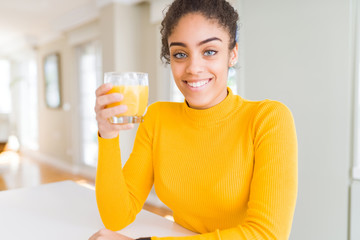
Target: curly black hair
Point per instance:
(219, 10)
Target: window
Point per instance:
(356, 140)
(89, 70)
(29, 105)
(5, 98)
(20, 85)
(175, 94)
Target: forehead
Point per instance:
(194, 27)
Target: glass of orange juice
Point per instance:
(134, 86)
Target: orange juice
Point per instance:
(135, 97)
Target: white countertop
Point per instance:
(67, 210)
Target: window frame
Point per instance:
(356, 93)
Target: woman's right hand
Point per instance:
(107, 129)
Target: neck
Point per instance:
(218, 100)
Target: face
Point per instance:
(200, 59)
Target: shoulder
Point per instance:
(265, 107)
(273, 114)
(257, 110)
(266, 112)
(272, 106)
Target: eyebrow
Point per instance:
(199, 44)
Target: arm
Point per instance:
(120, 193)
(274, 183)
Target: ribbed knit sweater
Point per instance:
(227, 172)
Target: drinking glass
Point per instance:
(134, 86)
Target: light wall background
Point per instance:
(299, 52)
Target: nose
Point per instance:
(195, 65)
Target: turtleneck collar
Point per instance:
(217, 113)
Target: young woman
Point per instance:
(226, 166)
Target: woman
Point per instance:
(227, 167)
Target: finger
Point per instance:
(120, 127)
(112, 128)
(103, 89)
(109, 112)
(104, 100)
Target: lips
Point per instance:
(197, 83)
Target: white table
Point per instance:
(67, 210)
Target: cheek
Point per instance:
(177, 71)
(220, 69)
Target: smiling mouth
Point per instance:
(198, 84)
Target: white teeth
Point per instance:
(198, 84)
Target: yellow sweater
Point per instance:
(228, 172)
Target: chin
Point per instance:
(198, 104)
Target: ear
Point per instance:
(233, 56)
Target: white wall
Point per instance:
(55, 125)
(298, 52)
(355, 211)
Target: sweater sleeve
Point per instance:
(121, 193)
(273, 189)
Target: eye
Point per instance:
(180, 55)
(210, 53)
